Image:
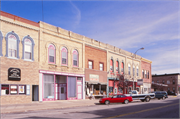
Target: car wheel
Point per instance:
(107, 102)
(142, 100)
(147, 99)
(163, 98)
(126, 101)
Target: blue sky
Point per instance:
(128, 25)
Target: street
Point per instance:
(168, 108)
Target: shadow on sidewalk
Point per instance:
(34, 117)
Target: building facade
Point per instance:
(95, 70)
(172, 80)
(18, 59)
(146, 76)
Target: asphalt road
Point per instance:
(168, 108)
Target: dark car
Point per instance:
(161, 94)
(119, 98)
(171, 93)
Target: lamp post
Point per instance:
(133, 64)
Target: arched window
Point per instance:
(12, 45)
(137, 70)
(133, 70)
(117, 66)
(51, 53)
(64, 56)
(28, 48)
(75, 58)
(122, 68)
(1, 38)
(129, 69)
(142, 73)
(111, 66)
(145, 74)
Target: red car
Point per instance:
(116, 99)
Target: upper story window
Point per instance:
(12, 45)
(90, 64)
(117, 66)
(157, 81)
(122, 68)
(148, 74)
(129, 69)
(152, 81)
(168, 82)
(173, 81)
(142, 73)
(133, 70)
(64, 56)
(111, 66)
(137, 68)
(145, 74)
(52, 53)
(75, 58)
(163, 81)
(28, 48)
(1, 38)
(101, 66)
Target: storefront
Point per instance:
(60, 86)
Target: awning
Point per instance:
(100, 83)
(159, 84)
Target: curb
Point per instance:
(30, 110)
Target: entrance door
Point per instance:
(35, 93)
(62, 91)
(115, 90)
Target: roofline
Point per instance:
(154, 75)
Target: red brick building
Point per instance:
(172, 80)
(146, 76)
(95, 70)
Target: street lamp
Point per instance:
(133, 63)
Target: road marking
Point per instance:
(140, 111)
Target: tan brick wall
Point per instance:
(29, 76)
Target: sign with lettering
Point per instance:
(14, 74)
(140, 82)
(93, 77)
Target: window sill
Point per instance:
(12, 58)
(28, 60)
(64, 66)
(52, 64)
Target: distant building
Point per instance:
(172, 80)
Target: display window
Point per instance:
(13, 89)
(22, 89)
(4, 89)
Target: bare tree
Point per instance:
(123, 83)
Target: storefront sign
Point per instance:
(93, 77)
(140, 82)
(14, 74)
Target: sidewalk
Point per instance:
(34, 106)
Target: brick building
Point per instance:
(95, 70)
(172, 80)
(18, 59)
(146, 76)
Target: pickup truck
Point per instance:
(143, 97)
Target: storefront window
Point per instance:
(71, 86)
(110, 89)
(4, 89)
(48, 86)
(22, 89)
(120, 90)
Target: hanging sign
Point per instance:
(14, 74)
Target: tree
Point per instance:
(123, 83)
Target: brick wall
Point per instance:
(97, 56)
(146, 66)
(29, 76)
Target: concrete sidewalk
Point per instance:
(34, 106)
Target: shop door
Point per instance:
(62, 91)
(79, 92)
(115, 90)
(35, 94)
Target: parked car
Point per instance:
(171, 93)
(161, 94)
(119, 98)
